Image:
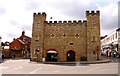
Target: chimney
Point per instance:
(23, 33)
(13, 39)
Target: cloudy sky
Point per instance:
(17, 15)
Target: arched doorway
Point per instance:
(70, 55)
(51, 56)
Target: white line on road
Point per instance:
(56, 71)
(93, 69)
(15, 68)
(3, 67)
(35, 71)
(20, 66)
(12, 61)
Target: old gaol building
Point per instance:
(66, 40)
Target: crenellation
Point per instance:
(92, 13)
(39, 13)
(98, 13)
(46, 22)
(64, 21)
(69, 22)
(59, 21)
(34, 14)
(79, 21)
(55, 21)
(43, 13)
(74, 21)
(84, 22)
(87, 13)
(50, 21)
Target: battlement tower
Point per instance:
(38, 34)
(93, 34)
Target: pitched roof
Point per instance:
(21, 41)
(28, 38)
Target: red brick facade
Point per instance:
(20, 46)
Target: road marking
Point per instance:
(56, 71)
(20, 66)
(94, 69)
(12, 61)
(15, 68)
(35, 70)
(3, 67)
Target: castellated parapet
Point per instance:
(92, 13)
(75, 40)
(69, 23)
(39, 14)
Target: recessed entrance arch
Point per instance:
(70, 55)
(52, 56)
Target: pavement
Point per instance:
(102, 60)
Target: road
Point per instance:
(24, 66)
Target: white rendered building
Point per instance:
(111, 39)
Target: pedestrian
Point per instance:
(114, 54)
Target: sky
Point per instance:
(17, 15)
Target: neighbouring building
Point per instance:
(0, 50)
(119, 40)
(63, 41)
(6, 50)
(109, 41)
(20, 47)
(0, 40)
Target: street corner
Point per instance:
(96, 62)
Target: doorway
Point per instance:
(51, 56)
(70, 55)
